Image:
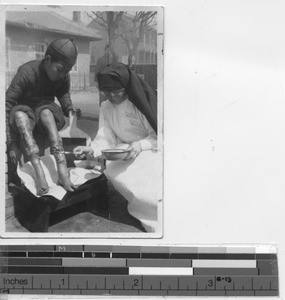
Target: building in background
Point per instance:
(145, 58)
(28, 34)
(146, 52)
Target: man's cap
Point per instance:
(63, 50)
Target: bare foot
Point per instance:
(40, 178)
(41, 186)
(63, 178)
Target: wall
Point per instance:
(224, 108)
(224, 121)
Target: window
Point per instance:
(92, 61)
(40, 51)
(147, 38)
(152, 58)
(141, 56)
(153, 38)
(40, 47)
(75, 67)
(147, 57)
(7, 54)
(76, 16)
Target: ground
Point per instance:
(120, 220)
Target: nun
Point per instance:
(128, 120)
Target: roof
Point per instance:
(52, 22)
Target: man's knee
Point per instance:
(46, 114)
(20, 115)
(22, 121)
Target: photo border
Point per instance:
(160, 60)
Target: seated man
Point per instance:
(30, 106)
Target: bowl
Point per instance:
(115, 154)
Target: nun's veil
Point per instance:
(117, 76)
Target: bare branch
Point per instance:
(98, 18)
(109, 21)
(132, 27)
(118, 17)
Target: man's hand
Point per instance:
(83, 151)
(14, 153)
(75, 111)
(135, 148)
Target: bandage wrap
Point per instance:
(23, 124)
(56, 149)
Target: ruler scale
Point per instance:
(134, 270)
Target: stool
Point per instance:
(34, 213)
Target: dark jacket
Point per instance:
(31, 85)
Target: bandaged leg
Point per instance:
(56, 148)
(31, 149)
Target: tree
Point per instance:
(134, 28)
(109, 21)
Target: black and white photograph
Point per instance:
(143, 149)
(84, 119)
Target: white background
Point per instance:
(224, 122)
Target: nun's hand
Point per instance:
(135, 148)
(82, 151)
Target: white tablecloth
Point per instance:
(140, 182)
